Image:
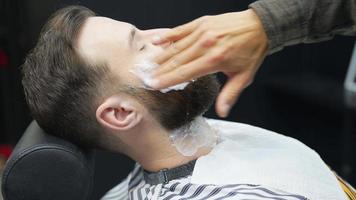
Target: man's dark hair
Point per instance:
(60, 87)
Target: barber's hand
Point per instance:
(232, 43)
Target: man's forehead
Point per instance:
(104, 22)
(100, 35)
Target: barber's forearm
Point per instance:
(289, 22)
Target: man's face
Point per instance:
(121, 45)
(118, 44)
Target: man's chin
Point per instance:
(201, 94)
(208, 82)
(191, 102)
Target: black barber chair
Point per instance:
(43, 167)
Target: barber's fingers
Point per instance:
(176, 33)
(196, 50)
(230, 92)
(187, 72)
(177, 47)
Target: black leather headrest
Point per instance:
(49, 168)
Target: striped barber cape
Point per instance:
(134, 187)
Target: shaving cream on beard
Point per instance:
(191, 137)
(197, 134)
(144, 69)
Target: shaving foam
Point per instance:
(197, 134)
(143, 70)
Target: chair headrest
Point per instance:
(46, 167)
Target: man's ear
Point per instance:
(118, 113)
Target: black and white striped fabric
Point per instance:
(134, 187)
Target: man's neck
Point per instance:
(171, 161)
(155, 150)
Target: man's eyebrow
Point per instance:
(132, 35)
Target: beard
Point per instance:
(175, 109)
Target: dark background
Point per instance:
(297, 92)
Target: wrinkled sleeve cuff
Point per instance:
(283, 22)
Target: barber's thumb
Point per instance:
(228, 96)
